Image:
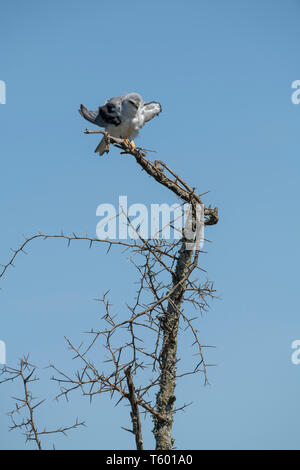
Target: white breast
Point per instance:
(129, 126)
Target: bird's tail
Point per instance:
(101, 147)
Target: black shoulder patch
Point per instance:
(109, 114)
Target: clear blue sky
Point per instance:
(223, 72)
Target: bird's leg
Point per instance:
(131, 143)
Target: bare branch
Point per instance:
(135, 415)
(23, 414)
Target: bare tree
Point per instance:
(141, 369)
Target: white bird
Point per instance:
(122, 116)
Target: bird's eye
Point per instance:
(133, 103)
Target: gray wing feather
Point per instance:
(109, 113)
(150, 110)
(92, 116)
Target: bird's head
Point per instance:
(131, 103)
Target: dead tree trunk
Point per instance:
(166, 396)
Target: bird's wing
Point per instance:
(111, 111)
(92, 116)
(107, 114)
(149, 110)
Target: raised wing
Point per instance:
(92, 116)
(107, 114)
(150, 110)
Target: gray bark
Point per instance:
(166, 396)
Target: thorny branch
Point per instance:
(135, 414)
(23, 415)
(156, 170)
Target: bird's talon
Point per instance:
(130, 143)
